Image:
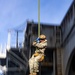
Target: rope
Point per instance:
(39, 28)
(38, 17)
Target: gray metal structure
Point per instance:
(60, 52)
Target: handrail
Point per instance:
(18, 57)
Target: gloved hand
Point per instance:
(38, 40)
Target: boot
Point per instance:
(34, 73)
(31, 74)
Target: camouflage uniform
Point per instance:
(38, 56)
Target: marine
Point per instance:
(40, 43)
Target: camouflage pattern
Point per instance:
(38, 56)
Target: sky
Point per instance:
(14, 13)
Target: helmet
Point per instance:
(42, 36)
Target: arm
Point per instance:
(36, 41)
(42, 44)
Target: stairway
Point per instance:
(18, 58)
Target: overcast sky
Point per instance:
(15, 12)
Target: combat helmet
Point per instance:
(42, 36)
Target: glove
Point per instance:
(38, 40)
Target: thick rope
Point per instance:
(39, 26)
(38, 18)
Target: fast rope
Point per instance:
(38, 18)
(39, 27)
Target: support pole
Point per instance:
(17, 39)
(9, 40)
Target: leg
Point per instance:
(31, 63)
(36, 67)
(36, 63)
